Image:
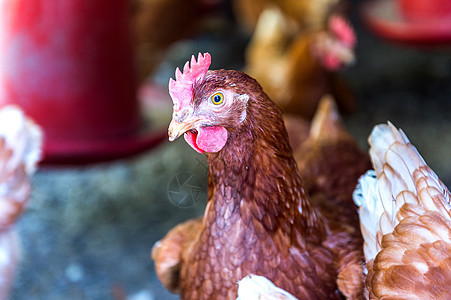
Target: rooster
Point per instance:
(296, 71)
(20, 144)
(259, 218)
(405, 217)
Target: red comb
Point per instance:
(181, 89)
(341, 28)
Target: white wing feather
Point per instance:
(402, 177)
(254, 287)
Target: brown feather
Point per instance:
(167, 253)
(411, 263)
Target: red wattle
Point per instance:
(208, 139)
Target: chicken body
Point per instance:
(405, 216)
(331, 162)
(20, 142)
(259, 218)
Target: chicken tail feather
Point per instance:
(327, 122)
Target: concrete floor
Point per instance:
(88, 231)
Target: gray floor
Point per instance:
(88, 231)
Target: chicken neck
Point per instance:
(256, 178)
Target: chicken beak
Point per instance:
(176, 128)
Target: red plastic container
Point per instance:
(414, 22)
(69, 65)
(425, 10)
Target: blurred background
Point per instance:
(88, 229)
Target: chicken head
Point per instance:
(203, 112)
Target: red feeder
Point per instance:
(425, 10)
(69, 65)
(418, 22)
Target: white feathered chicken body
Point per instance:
(20, 150)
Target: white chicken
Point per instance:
(20, 151)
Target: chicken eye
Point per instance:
(217, 98)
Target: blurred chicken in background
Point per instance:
(296, 50)
(303, 14)
(20, 150)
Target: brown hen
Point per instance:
(259, 218)
(405, 216)
(296, 70)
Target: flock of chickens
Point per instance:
(279, 222)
